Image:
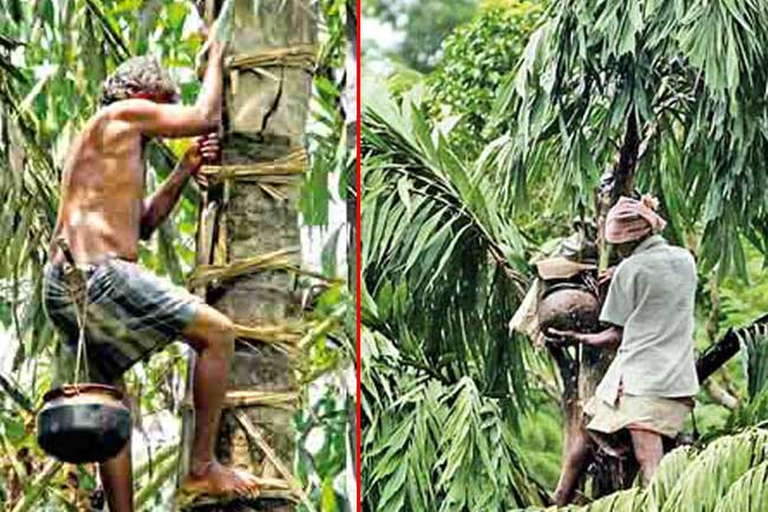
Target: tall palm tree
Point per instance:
(639, 89)
(268, 90)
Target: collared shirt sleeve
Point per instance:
(619, 302)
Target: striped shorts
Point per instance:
(130, 314)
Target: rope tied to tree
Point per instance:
(302, 56)
(274, 172)
(280, 260)
(247, 398)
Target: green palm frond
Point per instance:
(630, 500)
(729, 475)
(692, 76)
(753, 409)
(748, 493)
(671, 469)
(428, 446)
(708, 477)
(754, 351)
(480, 466)
(443, 264)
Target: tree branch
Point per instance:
(624, 173)
(718, 354)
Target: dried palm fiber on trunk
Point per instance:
(291, 164)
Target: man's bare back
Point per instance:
(102, 213)
(102, 191)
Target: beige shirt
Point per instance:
(652, 297)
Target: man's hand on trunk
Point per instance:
(206, 150)
(567, 337)
(157, 208)
(606, 338)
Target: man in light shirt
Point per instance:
(649, 386)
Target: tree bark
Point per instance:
(265, 114)
(608, 473)
(718, 354)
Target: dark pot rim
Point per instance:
(70, 390)
(567, 287)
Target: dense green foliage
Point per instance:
(477, 58)
(53, 58)
(432, 444)
(726, 476)
(450, 222)
(424, 25)
(686, 78)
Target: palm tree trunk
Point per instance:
(581, 375)
(267, 100)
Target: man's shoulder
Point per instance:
(129, 109)
(108, 121)
(680, 252)
(668, 260)
(628, 265)
(659, 255)
(680, 256)
(665, 251)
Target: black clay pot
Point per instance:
(569, 309)
(83, 423)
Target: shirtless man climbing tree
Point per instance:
(131, 312)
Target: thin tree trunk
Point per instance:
(608, 474)
(716, 355)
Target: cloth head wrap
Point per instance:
(631, 220)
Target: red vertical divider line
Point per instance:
(358, 209)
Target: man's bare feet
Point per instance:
(215, 479)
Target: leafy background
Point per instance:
(478, 154)
(54, 56)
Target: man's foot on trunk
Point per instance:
(215, 479)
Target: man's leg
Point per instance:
(649, 450)
(575, 461)
(211, 334)
(116, 473)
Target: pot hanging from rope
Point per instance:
(568, 298)
(82, 422)
(569, 307)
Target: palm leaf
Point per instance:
(747, 494)
(671, 469)
(443, 264)
(707, 479)
(693, 79)
(428, 446)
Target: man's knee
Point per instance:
(647, 447)
(647, 456)
(211, 330)
(223, 335)
(579, 447)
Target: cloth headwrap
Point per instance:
(631, 220)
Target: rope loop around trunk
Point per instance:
(279, 171)
(302, 56)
